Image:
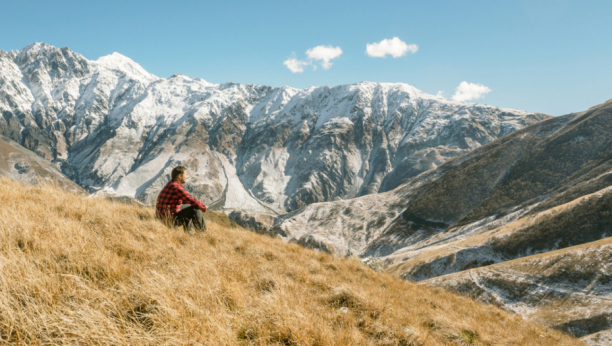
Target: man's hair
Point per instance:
(178, 170)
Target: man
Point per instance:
(168, 207)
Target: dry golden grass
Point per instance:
(87, 271)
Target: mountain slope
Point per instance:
(117, 130)
(553, 158)
(118, 276)
(20, 164)
(586, 219)
(567, 289)
(525, 173)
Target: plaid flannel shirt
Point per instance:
(171, 197)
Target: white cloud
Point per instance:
(470, 91)
(324, 54)
(394, 47)
(295, 65)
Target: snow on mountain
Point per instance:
(116, 129)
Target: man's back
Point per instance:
(172, 196)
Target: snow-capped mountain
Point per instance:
(116, 129)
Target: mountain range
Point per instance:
(115, 129)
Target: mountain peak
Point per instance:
(38, 46)
(117, 61)
(45, 59)
(41, 49)
(38, 50)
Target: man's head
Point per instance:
(179, 173)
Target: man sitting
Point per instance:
(168, 207)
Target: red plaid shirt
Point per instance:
(172, 196)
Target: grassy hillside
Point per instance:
(87, 271)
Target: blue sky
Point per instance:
(544, 56)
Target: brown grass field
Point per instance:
(87, 271)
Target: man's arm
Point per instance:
(186, 197)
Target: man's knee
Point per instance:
(200, 219)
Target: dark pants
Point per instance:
(190, 218)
